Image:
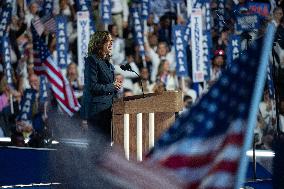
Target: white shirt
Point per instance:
(281, 122)
(128, 76)
(265, 113)
(137, 88)
(118, 52)
(120, 6)
(156, 62)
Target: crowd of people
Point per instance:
(158, 75)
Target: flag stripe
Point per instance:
(60, 87)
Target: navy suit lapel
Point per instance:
(107, 71)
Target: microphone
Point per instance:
(127, 67)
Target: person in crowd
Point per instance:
(163, 52)
(127, 92)
(34, 130)
(32, 13)
(152, 25)
(218, 65)
(277, 15)
(146, 83)
(16, 29)
(73, 78)
(118, 46)
(165, 29)
(120, 12)
(5, 105)
(266, 111)
(159, 87)
(18, 139)
(153, 41)
(100, 86)
(160, 7)
(128, 76)
(166, 76)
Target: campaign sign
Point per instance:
(262, 9)
(138, 30)
(5, 52)
(207, 44)
(180, 50)
(221, 14)
(197, 46)
(145, 9)
(61, 41)
(233, 49)
(85, 5)
(247, 22)
(48, 7)
(43, 89)
(207, 11)
(5, 16)
(187, 32)
(106, 11)
(83, 30)
(26, 106)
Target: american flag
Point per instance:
(45, 23)
(204, 146)
(44, 64)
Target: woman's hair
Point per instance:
(97, 42)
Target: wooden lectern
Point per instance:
(138, 120)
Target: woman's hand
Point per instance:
(117, 85)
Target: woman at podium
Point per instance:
(100, 86)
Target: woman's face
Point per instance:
(166, 66)
(218, 61)
(162, 49)
(278, 15)
(114, 31)
(108, 47)
(72, 70)
(33, 8)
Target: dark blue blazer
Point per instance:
(98, 86)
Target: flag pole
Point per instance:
(258, 89)
(11, 104)
(145, 30)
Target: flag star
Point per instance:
(224, 98)
(215, 93)
(209, 124)
(200, 117)
(234, 87)
(234, 69)
(243, 92)
(244, 57)
(225, 81)
(242, 107)
(204, 104)
(233, 103)
(243, 74)
(222, 115)
(212, 108)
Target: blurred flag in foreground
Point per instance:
(61, 88)
(204, 147)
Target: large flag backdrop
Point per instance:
(205, 145)
(61, 88)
